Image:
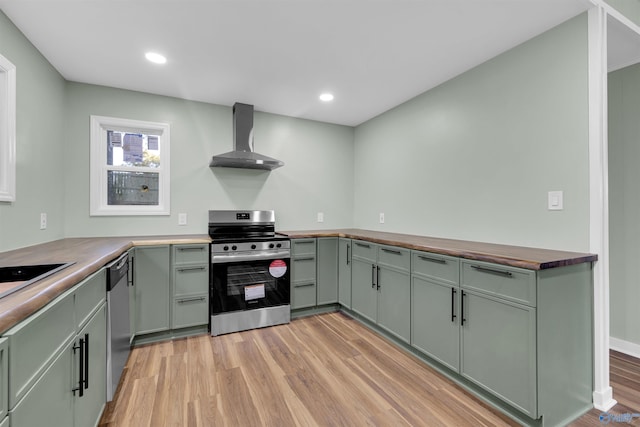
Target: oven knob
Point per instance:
(270, 245)
(253, 246)
(234, 247)
(279, 245)
(226, 248)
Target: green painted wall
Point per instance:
(624, 203)
(475, 157)
(40, 134)
(317, 176)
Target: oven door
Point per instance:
(249, 284)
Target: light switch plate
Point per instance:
(555, 201)
(43, 221)
(381, 217)
(182, 219)
(320, 216)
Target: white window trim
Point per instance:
(98, 167)
(7, 131)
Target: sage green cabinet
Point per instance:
(48, 358)
(190, 285)
(381, 287)
(344, 272)
(151, 281)
(4, 377)
(435, 320)
(6, 422)
(88, 407)
(303, 273)
(498, 348)
(327, 270)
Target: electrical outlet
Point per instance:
(182, 219)
(320, 216)
(43, 221)
(381, 217)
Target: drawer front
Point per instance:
(514, 284)
(395, 257)
(90, 294)
(35, 342)
(190, 311)
(435, 266)
(190, 254)
(303, 247)
(365, 250)
(303, 294)
(190, 280)
(303, 269)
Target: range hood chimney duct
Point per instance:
(243, 155)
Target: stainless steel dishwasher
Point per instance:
(118, 330)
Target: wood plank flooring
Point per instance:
(325, 370)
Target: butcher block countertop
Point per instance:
(88, 256)
(515, 256)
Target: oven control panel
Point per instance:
(250, 246)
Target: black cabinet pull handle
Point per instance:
(462, 320)
(86, 361)
(378, 277)
(184, 300)
(492, 271)
(80, 388)
(428, 258)
(192, 249)
(392, 251)
(309, 258)
(348, 260)
(300, 285)
(453, 304)
(373, 276)
(191, 268)
(362, 245)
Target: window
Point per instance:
(7, 130)
(129, 167)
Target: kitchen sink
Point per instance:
(14, 278)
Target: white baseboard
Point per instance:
(603, 400)
(626, 347)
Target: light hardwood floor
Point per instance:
(325, 370)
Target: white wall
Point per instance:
(474, 158)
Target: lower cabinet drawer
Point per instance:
(192, 279)
(190, 311)
(514, 284)
(304, 268)
(89, 295)
(303, 294)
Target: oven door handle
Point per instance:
(239, 257)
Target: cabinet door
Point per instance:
(88, 407)
(151, 283)
(50, 401)
(394, 302)
(499, 348)
(4, 377)
(327, 270)
(344, 272)
(435, 328)
(364, 295)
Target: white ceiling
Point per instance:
(279, 55)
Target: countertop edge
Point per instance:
(499, 255)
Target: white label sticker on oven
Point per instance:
(253, 292)
(277, 268)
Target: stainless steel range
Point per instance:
(250, 269)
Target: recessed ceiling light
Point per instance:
(156, 58)
(326, 97)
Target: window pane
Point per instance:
(132, 149)
(132, 188)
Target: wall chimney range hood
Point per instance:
(243, 155)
